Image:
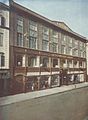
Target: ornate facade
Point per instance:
(43, 53)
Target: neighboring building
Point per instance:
(43, 53)
(4, 47)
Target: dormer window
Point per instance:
(2, 21)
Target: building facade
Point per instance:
(4, 46)
(43, 53)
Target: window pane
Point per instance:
(19, 60)
(2, 21)
(45, 45)
(32, 61)
(32, 42)
(19, 39)
(2, 60)
(1, 39)
(20, 24)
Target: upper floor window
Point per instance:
(45, 30)
(70, 41)
(20, 31)
(75, 44)
(1, 39)
(20, 24)
(82, 46)
(32, 42)
(33, 25)
(45, 39)
(63, 39)
(2, 60)
(32, 34)
(54, 41)
(63, 49)
(2, 21)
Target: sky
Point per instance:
(73, 12)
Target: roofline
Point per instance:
(2, 5)
(12, 3)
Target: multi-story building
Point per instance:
(4, 46)
(43, 53)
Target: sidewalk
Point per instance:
(27, 96)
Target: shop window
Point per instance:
(32, 84)
(19, 60)
(55, 80)
(44, 82)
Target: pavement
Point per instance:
(36, 94)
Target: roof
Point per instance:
(65, 28)
(4, 6)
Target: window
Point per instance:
(19, 39)
(19, 60)
(45, 30)
(75, 52)
(2, 60)
(75, 44)
(20, 31)
(55, 62)
(20, 24)
(32, 42)
(75, 63)
(32, 61)
(1, 39)
(33, 25)
(70, 42)
(69, 51)
(2, 21)
(45, 61)
(80, 64)
(63, 39)
(32, 34)
(63, 49)
(63, 63)
(54, 41)
(45, 41)
(44, 82)
(45, 45)
(55, 80)
(70, 63)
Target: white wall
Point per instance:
(5, 47)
